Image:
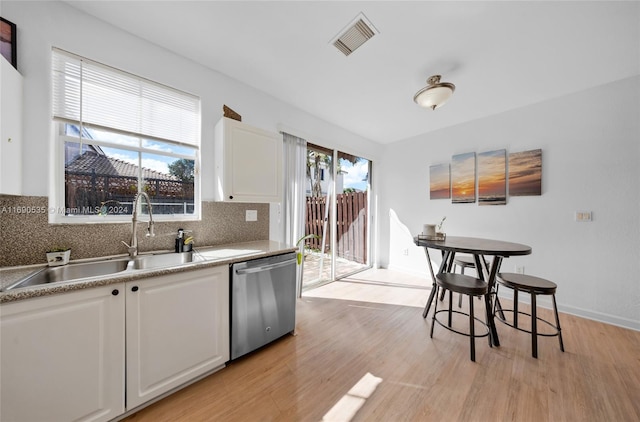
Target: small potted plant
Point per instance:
(300, 245)
(300, 258)
(58, 256)
(439, 233)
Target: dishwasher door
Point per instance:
(263, 302)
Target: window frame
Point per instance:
(57, 199)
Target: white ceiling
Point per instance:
(500, 55)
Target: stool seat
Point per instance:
(527, 283)
(465, 261)
(460, 283)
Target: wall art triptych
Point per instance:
(458, 179)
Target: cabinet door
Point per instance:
(63, 356)
(177, 329)
(10, 130)
(248, 163)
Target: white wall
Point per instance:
(43, 24)
(590, 145)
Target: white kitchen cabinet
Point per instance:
(177, 329)
(10, 129)
(248, 163)
(62, 356)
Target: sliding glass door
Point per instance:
(336, 215)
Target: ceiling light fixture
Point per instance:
(435, 94)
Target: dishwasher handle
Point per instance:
(265, 267)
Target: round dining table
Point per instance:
(481, 249)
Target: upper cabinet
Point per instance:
(248, 163)
(10, 129)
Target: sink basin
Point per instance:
(71, 272)
(145, 262)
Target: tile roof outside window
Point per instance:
(103, 165)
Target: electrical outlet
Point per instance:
(405, 252)
(519, 269)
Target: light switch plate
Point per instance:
(251, 215)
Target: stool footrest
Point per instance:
(504, 321)
(442, 324)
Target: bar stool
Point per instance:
(534, 286)
(466, 285)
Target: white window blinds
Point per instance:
(89, 93)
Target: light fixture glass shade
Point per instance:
(435, 94)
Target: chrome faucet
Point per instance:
(133, 246)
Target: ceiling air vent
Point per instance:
(357, 33)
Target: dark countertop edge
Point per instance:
(267, 247)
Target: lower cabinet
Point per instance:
(62, 356)
(177, 329)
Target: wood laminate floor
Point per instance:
(378, 329)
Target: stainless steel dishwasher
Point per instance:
(263, 302)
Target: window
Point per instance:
(116, 135)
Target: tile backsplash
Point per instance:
(28, 235)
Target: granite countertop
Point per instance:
(203, 257)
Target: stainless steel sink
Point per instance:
(145, 262)
(71, 272)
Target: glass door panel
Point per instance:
(352, 215)
(319, 194)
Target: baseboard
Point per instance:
(601, 317)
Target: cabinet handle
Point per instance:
(134, 289)
(115, 292)
(230, 196)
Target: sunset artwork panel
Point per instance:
(492, 177)
(8, 42)
(440, 181)
(463, 178)
(525, 173)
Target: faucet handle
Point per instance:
(132, 250)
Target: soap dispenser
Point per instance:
(180, 241)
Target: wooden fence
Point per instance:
(351, 225)
(85, 191)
